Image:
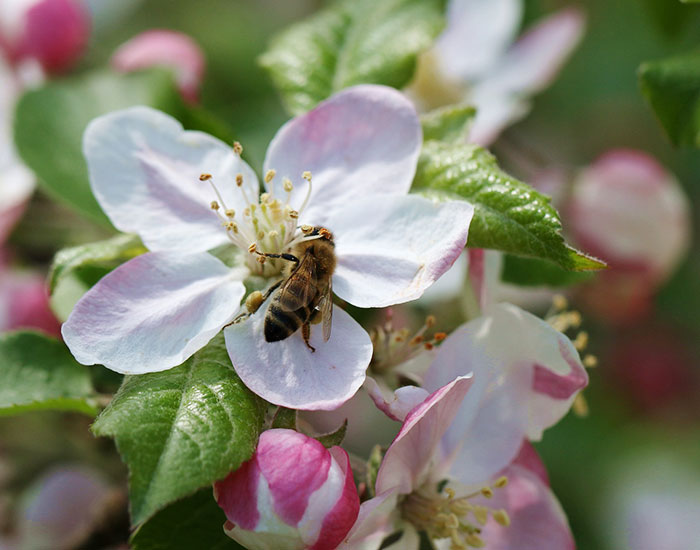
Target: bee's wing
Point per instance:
(325, 306)
(301, 287)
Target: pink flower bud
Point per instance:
(627, 209)
(52, 32)
(164, 48)
(292, 494)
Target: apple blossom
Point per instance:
(630, 211)
(421, 486)
(165, 48)
(475, 61)
(292, 494)
(24, 302)
(52, 32)
(346, 165)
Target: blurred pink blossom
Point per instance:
(164, 48)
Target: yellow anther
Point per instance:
(273, 234)
(475, 541)
(261, 259)
(237, 148)
(580, 406)
(205, 177)
(253, 301)
(501, 517)
(306, 175)
(487, 492)
(501, 482)
(560, 302)
(581, 341)
(214, 205)
(287, 185)
(230, 213)
(252, 248)
(261, 235)
(264, 198)
(440, 336)
(246, 212)
(269, 176)
(293, 214)
(590, 361)
(481, 514)
(450, 492)
(430, 321)
(306, 229)
(574, 319)
(239, 179)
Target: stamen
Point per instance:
(214, 205)
(237, 148)
(307, 177)
(287, 185)
(252, 248)
(230, 213)
(269, 176)
(239, 179)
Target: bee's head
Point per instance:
(317, 231)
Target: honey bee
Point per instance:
(305, 296)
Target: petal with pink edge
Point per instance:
(153, 312)
(144, 170)
(390, 251)
(415, 449)
(373, 523)
(289, 374)
(363, 141)
(477, 34)
(537, 521)
(520, 389)
(395, 404)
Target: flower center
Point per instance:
(443, 515)
(267, 224)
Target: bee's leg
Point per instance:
(306, 334)
(288, 257)
(244, 316)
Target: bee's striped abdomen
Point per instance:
(280, 324)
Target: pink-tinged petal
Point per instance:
(287, 373)
(415, 448)
(363, 141)
(395, 404)
(627, 209)
(164, 48)
(344, 512)
(54, 32)
(390, 251)
(374, 523)
(528, 458)
(477, 34)
(236, 494)
(153, 312)
(537, 521)
(24, 303)
(527, 68)
(519, 389)
(144, 170)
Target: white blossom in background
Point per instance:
(293, 493)
(478, 60)
(165, 48)
(346, 165)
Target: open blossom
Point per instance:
(347, 165)
(497, 381)
(52, 32)
(293, 494)
(476, 61)
(164, 48)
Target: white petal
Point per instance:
(287, 373)
(522, 387)
(389, 251)
(144, 170)
(153, 312)
(373, 523)
(477, 34)
(395, 404)
(362, 141)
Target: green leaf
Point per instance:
(534, 272)
(182, 429)
(106, 254)
(193, 522)
(509, 215)
(373, 463)
(351, 42)
(39, 373)
(449, 123)
(334, 438)
(285, 418)
(672, 88)
(50, 121)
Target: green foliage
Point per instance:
(285, 418)
(39, 373)
(534, 272)
(672, 88)
(351, 42)
(106, 255)
(193, 522)
(334, 438)
(449, 124)
(182, 429)
(509, 215)
(50, 121)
